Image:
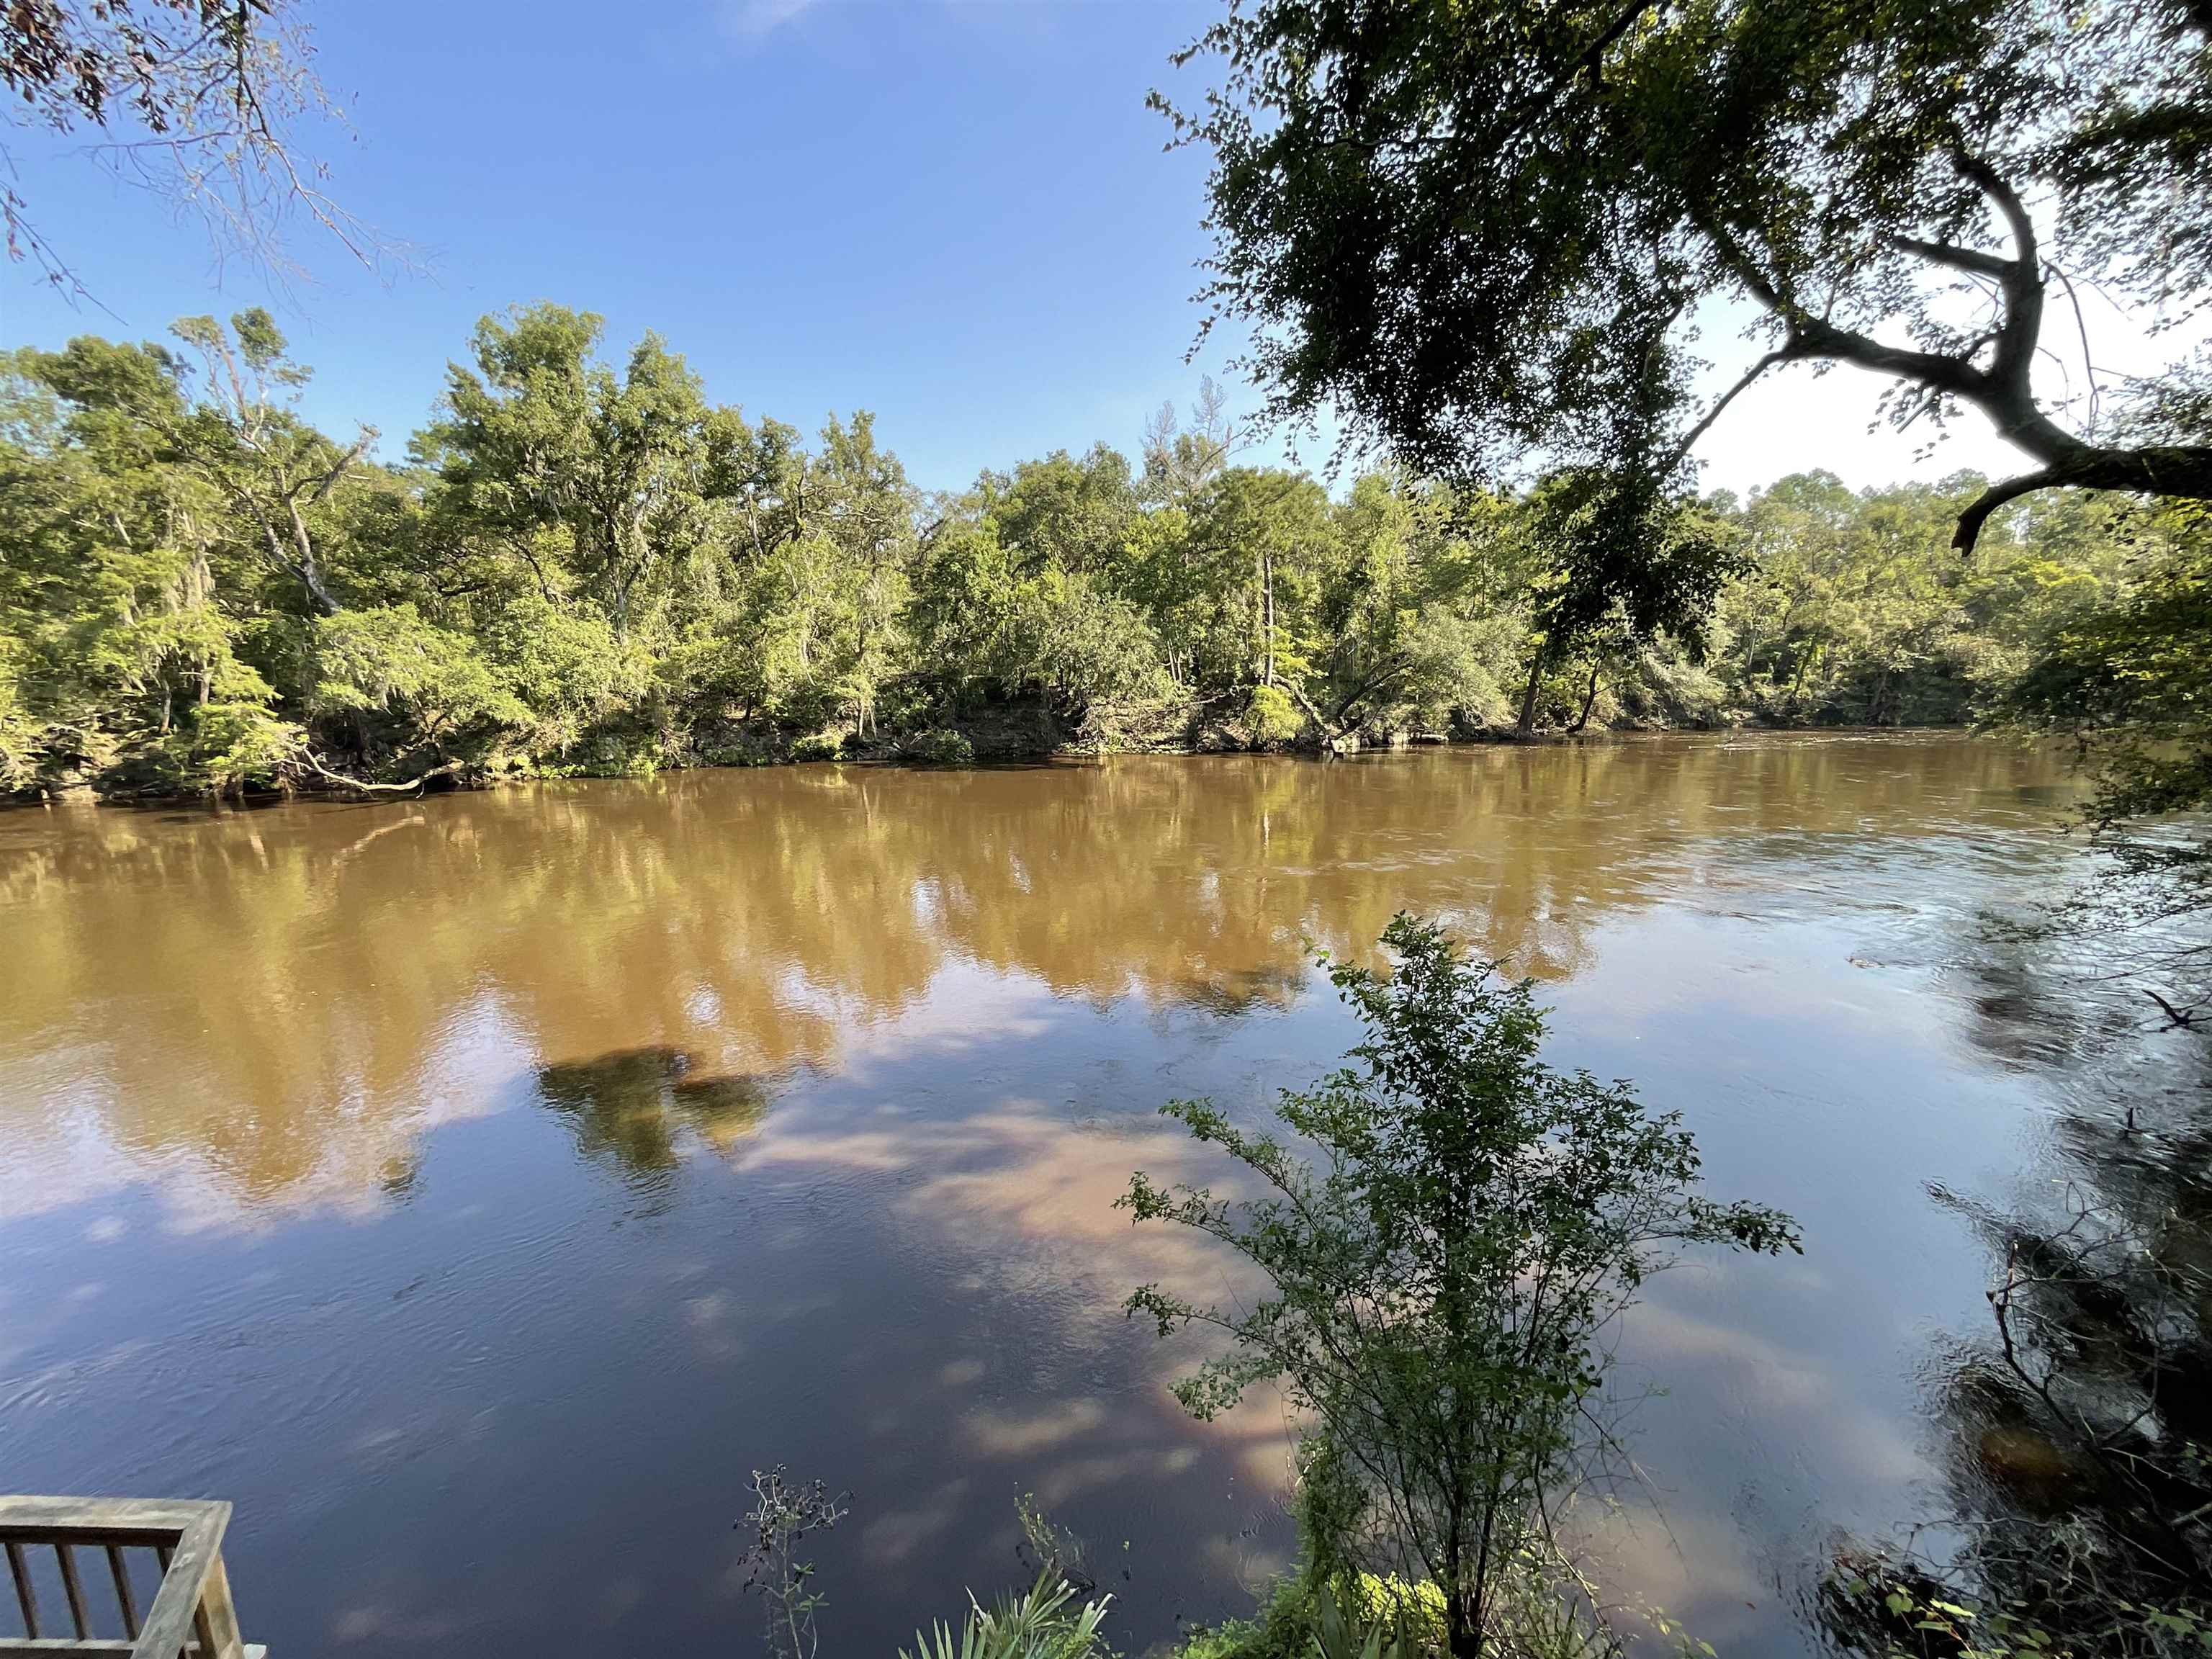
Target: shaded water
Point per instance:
(474, 1190)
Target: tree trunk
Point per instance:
(303, 566)
(1267, 611)
(1589, 699)
(445, 768)
(1527, 726)
(310, 570)
(1329, 729)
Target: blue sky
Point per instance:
(956, 213)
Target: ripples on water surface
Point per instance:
(474, 1190)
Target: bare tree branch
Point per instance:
(1743, 384)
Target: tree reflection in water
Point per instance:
(2078, 1496)
(631, 1108)
(318, 984)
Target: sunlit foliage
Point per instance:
(585, 566)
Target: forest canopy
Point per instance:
(583, 565)
(1485, 233)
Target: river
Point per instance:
(474, 1190)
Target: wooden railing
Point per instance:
(65, 1543)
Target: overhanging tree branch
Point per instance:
(444, 768)
(1974, 260)
(1743, 384)
(2003, 390)
(1978, 512)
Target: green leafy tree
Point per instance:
(1853, 606)
(588, 478)
(2129, 680)
(1478, 228)
(1262, 540)
(432, 683)
(237, 433)
(1080, 645)
(1074, 512)
(2135, 677)
(585, 566)
(1437, 1283)
(1627, 563)
(145, 598)
(961, 606)
(1422, 610)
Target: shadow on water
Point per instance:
(2077, 1425)
(633, 1108)
(1230, 995)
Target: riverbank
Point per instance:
(997, 734)
(1028, 734)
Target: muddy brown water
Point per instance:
(474, 1190)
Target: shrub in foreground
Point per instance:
(1439, 1282)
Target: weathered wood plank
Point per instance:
(170, 1621)
(218, 1621)
(34, 1520)
(26, 1599)
(89, 1536)
(119, 1570)
(191, 1612)
(66, 1554)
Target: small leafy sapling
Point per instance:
(1440, 1276)
(783, 1514)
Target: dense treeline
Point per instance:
(585, 567)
